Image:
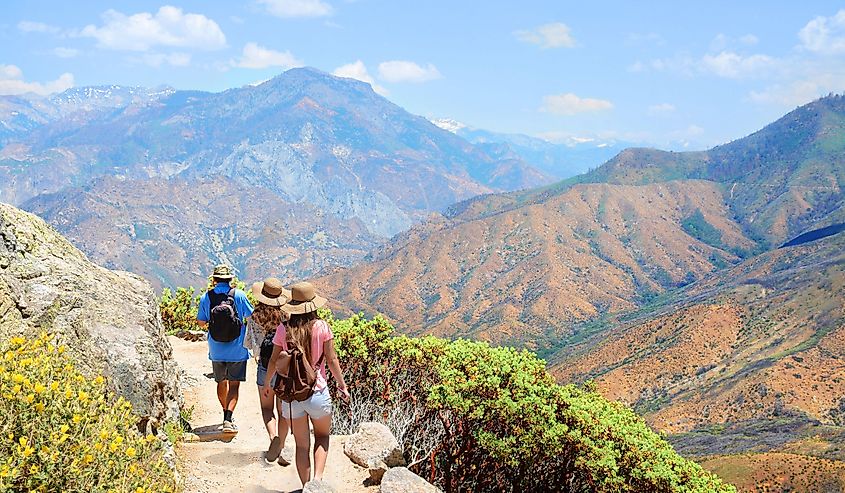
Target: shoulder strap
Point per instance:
(231, 294)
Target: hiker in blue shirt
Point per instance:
(223, 309)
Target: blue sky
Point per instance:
(670, 74)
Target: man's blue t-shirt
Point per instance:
(226, 351)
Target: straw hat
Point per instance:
(303, 299)
(270, 292)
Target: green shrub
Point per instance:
(499, 422)
(179, 310)
(60, 431)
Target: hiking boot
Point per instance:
(229, 427)
(274, 450)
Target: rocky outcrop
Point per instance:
(108, 320)
(402, 480)
(375, 448)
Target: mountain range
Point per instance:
(573, 156)
(523, 267)
(327, 147)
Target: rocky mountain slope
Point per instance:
(760, 340)
(108, 320)
(321, 157)
(171, 231)
(524, 267)
(305, 135)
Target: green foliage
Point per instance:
(505, 424)
(696, 226)
(179, 310)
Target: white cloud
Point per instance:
(257, 56)
(297, 8)
(570, 104)
(12, 83)
(167, 27)
(358, 71)
(645, 38)
(749, 39)
(661, 109)
(37, 27)
(173, 59)
(824, 35)
(63, 52)
(801, 91)
(405, 71)
(554, 35)
(735, 66)
(727, 64)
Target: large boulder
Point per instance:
(402, 480)
(108, 320)
(375, 448)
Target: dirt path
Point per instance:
(216, 463)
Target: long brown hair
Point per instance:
(267, 317)
(300, 326)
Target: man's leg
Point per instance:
(232, 395)
(222, 392)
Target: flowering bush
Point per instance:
(61, 431)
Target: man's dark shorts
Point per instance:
(229, 370)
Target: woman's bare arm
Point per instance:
(334, 365)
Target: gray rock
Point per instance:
(108, 320)
(402, 480)
(375, 448)
(374, 443)
(317, 486)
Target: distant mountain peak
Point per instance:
(448, 124)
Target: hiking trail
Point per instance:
(218, 463)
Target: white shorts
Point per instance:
(317, 406)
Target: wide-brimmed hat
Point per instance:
(222, 271)
(271, 292)
(303, 299)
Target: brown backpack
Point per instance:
(296, 377)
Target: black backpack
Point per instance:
(224, 324)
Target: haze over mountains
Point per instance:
(326, 146)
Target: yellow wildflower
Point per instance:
(17, 341)
(39, 388)
(39, 407)
(29, 399)
(16, 389)
(113, 446)
(130, 452)
(83, 396)
(17, 378)
(139, 490)
(99, 380)
(22, 441)
(118, 439)
(33, 470)
(77, 418)
(68, 394)
(151, 438)
(89, 458)
(54, 386)
(104, 434)
(64, 428)
(27, 451)
(98, 446)
(62, 349)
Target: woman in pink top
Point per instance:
(314, 335)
